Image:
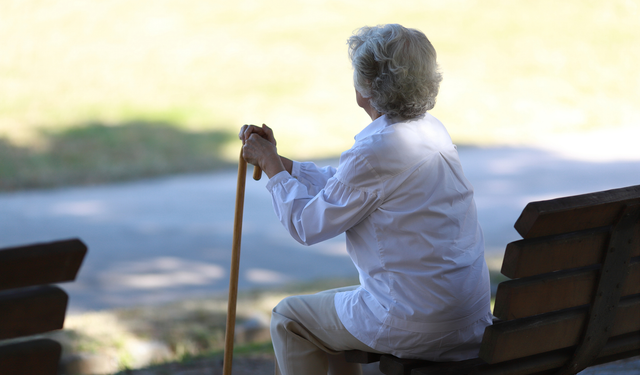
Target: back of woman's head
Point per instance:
(395, 67)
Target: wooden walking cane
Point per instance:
(235, 262)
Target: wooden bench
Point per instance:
(574, 297)
(28, 306)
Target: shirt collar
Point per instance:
(374, 127)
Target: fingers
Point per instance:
(253, 137)
(247, 130)
(258, 143)
(265, 132)
(257, 148)
(242, 129)
(269, 134)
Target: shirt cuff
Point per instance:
(281, 177)
(295, 169)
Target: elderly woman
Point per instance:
(409, 216)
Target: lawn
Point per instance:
(92, 92)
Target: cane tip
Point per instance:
(257, 173)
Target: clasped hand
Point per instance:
(259, 148)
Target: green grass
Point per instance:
(96, 153)
(514, 72)
(250, 349)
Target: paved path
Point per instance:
(159, 240)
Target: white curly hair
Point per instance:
(395, 67)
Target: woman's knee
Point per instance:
(284, 307)
(281, 314)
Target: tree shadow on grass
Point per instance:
(93, 153)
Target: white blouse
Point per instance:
(411, 228)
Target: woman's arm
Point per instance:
(287, 163)
(312, 216)
(259, 149)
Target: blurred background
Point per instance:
(97, 97)
(100, 91)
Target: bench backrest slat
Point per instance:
(542, 333)
(580, 212)
(565, 251)
(40, 264)
(555, 291)
(32, 310)
(36, 357)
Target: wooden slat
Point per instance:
(618, 347)
(555, 291)
(575, 213)
(358, 356)
(31, 311)
(37, 357)
(512, 339)
(437, 368)
(552, 253)
(546, 254)
(39, 264)
(535, 365)
(390, 365)
(541, 294)
(627, 316)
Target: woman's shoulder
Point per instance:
(403, 143)
(424, 130)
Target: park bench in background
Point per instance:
(29, 306)
(574, 297)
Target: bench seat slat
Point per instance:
(390, 365)
(31, 311)
(538, 364)
(555, 291)
(575, 213)
(358, 356)
(35, 357)
(507, 340)
(39, 264)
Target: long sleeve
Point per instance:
(312, 176)
(312, 213)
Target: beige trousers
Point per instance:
(309, 339)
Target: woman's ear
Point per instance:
(365, 103)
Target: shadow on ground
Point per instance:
(95, 152)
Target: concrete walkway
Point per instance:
(164, 239)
